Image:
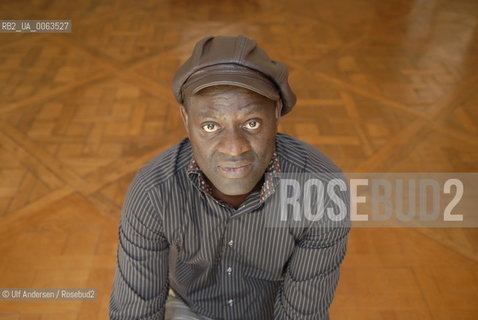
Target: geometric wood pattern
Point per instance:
(19, 185)
(36, 67)
(400, 274)
(381, 85)
(68, 243)
(91, 126)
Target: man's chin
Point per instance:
(235, 192)
(236, 189)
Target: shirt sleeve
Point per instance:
(312, 273)
(140, 286)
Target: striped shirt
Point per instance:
(224, 263)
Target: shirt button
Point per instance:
(230, 243)
(229, 270)
(229, 302)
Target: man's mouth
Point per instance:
(235, 170)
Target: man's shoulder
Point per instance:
(298, 156)
(167, 164)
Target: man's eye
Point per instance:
(210, 127)
(252, 124)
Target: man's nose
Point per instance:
(234, 143)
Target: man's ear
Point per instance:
(184, 116)
(278, 110)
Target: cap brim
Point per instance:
(247, 80)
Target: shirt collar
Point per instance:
(267, 188)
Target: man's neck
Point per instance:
(234, 200)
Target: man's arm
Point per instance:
(312, 275)
(141, 284)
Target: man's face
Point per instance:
(232, 134)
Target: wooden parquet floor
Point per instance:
(382, 85)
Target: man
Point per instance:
(195, 238)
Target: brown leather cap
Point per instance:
(234, 61)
